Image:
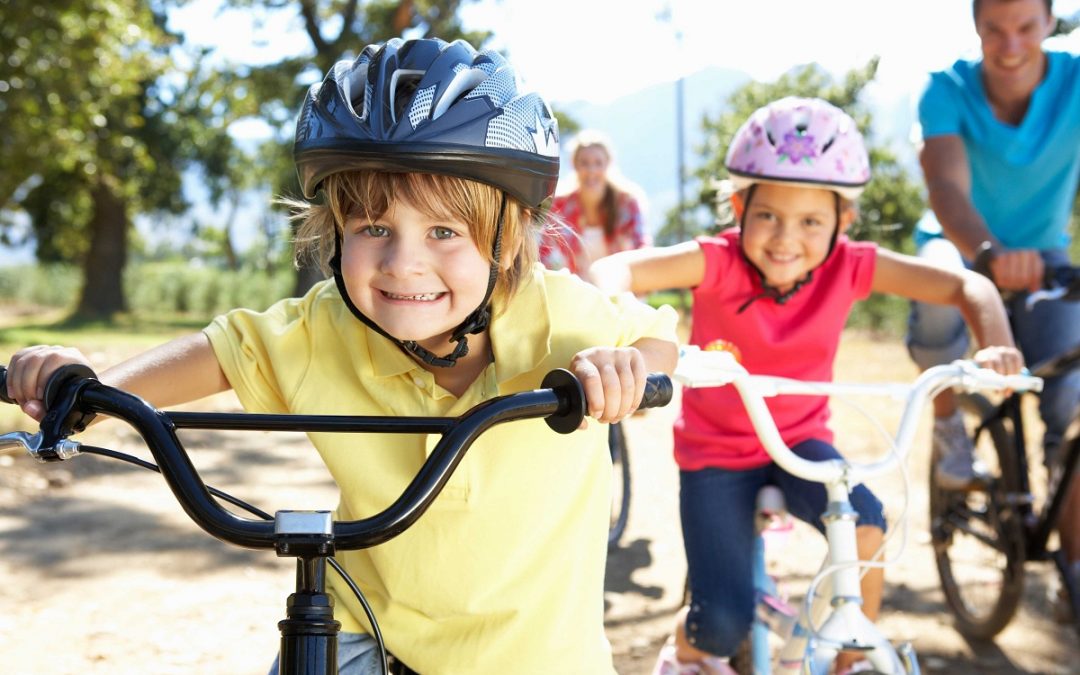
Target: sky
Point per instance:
(600, 50)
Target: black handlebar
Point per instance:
(74, 395)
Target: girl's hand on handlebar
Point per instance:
(29, 371)
(613, 379)
(1004, 360)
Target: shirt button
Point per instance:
(418, 381)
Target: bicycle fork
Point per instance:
(811, 647)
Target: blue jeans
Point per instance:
(937, 334)
(357, 655)
(717, 509)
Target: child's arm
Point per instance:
(614, 377)
(973, 294)
(182, 370)
(650, 269)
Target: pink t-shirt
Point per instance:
(797, 339)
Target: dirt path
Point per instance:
(102, 573)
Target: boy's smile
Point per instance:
(417, 276)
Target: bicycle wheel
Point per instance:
(620, 484)
(977, 535)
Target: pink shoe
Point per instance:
(668, 664)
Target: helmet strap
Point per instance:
(767, 290)
(477, 321)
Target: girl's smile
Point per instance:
(788, 229)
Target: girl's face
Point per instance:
(417, 277)
(591, 164)
(787, 230)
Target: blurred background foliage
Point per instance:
(105, 113)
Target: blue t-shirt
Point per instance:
(1023, 178)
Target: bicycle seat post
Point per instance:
(309, 633)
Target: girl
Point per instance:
(432, 166)
(777, 291)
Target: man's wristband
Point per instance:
(984, 255)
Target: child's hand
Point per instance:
(1004, 360)
(29, 371)
(614, 381)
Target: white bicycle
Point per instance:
(831, 618)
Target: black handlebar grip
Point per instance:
(3, 386)
(658, 389)
(61, 376)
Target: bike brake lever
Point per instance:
(1040, 295)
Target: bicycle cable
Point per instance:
(254, 510)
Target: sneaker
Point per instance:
(955, 469)
(668, 664)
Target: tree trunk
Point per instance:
(103, 269)
(307, 275)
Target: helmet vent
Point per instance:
(403, 84)
(825, 148)
(464, 81)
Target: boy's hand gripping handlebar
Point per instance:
(73, 396)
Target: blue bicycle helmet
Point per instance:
(428, 106)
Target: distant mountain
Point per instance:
(642, 128)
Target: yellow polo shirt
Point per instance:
(505, 572)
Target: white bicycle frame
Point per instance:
(836, 622)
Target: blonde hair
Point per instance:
(370, 194)
(615, 186)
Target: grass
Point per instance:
(104, 344)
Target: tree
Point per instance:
(889, 206)
(891, 203)
(92, 132)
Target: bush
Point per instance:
(152, 289)
(45, 285)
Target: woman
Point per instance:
(598, 218)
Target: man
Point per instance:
(1001, 158)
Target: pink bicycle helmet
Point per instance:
(805, 141)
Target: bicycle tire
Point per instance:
(620, 484)
(981, 523)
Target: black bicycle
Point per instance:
(984, 537)
(620, 483)
(309, 633)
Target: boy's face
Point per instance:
(1011, 33)
(415, 276)
(787, 231)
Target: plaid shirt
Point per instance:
(562, 244)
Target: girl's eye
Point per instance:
(812, 222)
(443, 233)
